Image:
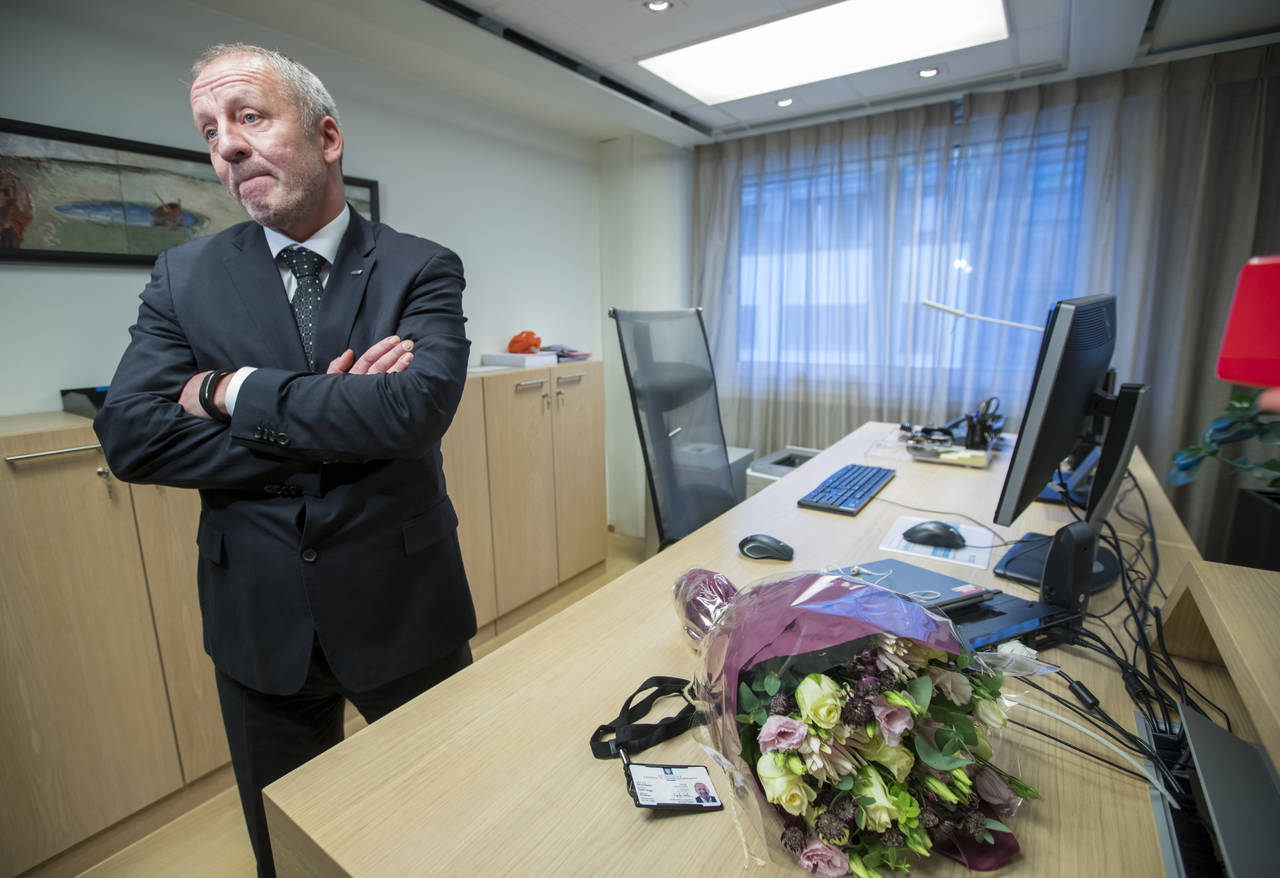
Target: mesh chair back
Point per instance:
(667, 362)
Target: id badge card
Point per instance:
(672, 787)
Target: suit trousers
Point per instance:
(271, 735)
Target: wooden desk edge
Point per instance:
(1199, 625)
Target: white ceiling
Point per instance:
(1049, 39)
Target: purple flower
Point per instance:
(824, 860)
(992, 788)
(782, 733)
(893, 721)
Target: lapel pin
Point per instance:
(357, 272)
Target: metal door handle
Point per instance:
(55, 451)
(576, 376)
(533, 382)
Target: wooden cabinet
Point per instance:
(466, 474)
(167, 519)
(84, 717)
(544, 430)
(517, 416)
(578, 433)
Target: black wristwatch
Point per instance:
(207, 388)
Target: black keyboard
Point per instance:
(847, 489)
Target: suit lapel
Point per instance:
(257, 281)
(345, 291)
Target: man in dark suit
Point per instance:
(329, 565)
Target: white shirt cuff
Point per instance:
(233, 386)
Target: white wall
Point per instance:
(519, 203)
(646, 233)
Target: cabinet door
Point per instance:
(83, 716)
(167, 521)
(517, 416)
(581, 527)
(466, 473)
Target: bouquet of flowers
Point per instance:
(863, 722)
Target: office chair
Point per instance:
(667, 361)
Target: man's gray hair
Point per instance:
(306, 92)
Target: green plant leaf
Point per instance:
(1271, 435)
(1244, 398)
(967, 731)
(992, 823)
(931, 756)
(747, 699)
(845, 783)
(760, 716)
(921, 691)
(772, 683)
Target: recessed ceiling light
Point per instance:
(928, 72)
(835, 40)
(658, 5)
(785, 102)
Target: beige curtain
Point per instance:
(815, 247)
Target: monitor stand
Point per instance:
(1024, 562)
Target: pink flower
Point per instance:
(782, 733)
(955, 686)
(822, 859)
(893, 721)
(992, 788)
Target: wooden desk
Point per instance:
(490, 773)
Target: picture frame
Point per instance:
(72, 196)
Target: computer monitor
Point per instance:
(1067, 395)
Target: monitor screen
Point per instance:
(1079, 338)
(1070, 395)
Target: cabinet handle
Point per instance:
(532, 382)
(55, 451)
(106, 479)
(674, 432)
(576, 376)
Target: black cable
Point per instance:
(1117, 766)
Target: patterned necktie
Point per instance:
(305, 265)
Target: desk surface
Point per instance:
(490, 772)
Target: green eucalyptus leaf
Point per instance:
(933, 758)
(772, 683)
(845, 783)
(968, 732)
(760, 716)
(747, 699)
(921, 690)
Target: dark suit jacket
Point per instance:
(324, 510)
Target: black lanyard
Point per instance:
(632, 737)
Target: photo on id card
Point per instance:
(682, 787)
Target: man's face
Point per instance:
(259, 149)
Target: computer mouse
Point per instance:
(765, 546)
(935, 533)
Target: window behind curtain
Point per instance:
(828, 250)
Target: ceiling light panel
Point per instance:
(825, 43)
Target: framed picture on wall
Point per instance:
(69, 196)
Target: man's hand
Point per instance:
(389, 355)
(190, 398)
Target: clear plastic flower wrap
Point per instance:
(855, 727)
